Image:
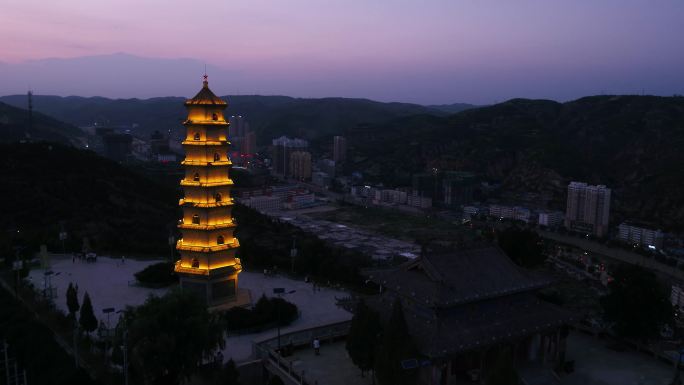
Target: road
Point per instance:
(615, 254)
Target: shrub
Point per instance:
(158, 275)
(264, 315)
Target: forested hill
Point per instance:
(47, 187)
(14, 126)
(269, 116)
(631, 143)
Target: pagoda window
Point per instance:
(217, 197)
(195, 219)
(220, 240)
(196, 177)
(195, 263)
(217, 157)
(197, 136)
(214, 117)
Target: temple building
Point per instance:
(466, 308)
(208, 264)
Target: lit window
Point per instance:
(220, 240)
(197, 136)
(195, 263)
(195, 219)
(196, 177)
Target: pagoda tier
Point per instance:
(208, 264)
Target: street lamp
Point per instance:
(293, 253)
(107, 311)
(125, 346)
(279, 292)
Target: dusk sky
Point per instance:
(429, 51)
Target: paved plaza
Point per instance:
(111, 283)
(596, 364)
(332, 367)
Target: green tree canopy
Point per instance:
(362, 341)
(169, 336)
(396, 346)
(524, 247)
(87, 318)
(637, 302)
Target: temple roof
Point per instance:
(205, 97)
(476, 326)
(466, 300)
(462, 276)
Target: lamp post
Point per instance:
(293, 253)
(279, 292)
(107, 311)
(125, 346)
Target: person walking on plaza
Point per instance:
(317, 346)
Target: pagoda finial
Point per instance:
(206, 77)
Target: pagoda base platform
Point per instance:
(242, 299)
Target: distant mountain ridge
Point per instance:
(269, 116)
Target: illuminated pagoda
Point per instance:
(208, 265)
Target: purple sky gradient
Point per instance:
(429, 51)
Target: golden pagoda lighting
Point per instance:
(208, 265)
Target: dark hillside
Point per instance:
(14, 126)
(49, 186)
(633, 144)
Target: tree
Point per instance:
(228, 374)
(396, 346)
(637, 302)
(87, 319)
(362, 341)
(524, 247)
(72, 300)
(503, 372)
(169, 336)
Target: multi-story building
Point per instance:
(550, 218)
(517, 213)
(249, 144)
(282, 148)
(635, 233)
(501, 211)
(300, 200)
(588, 208)
(416, 200)
(388, 196)
(471, 211)
(339, 149)
(428, 185)
(458, 188)
(264, 203)
(300, 165)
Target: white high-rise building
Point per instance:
(588, 208)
